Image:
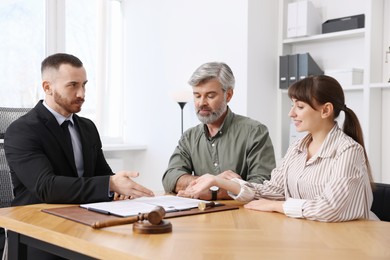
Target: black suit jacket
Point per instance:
(42, 168)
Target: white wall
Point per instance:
(262, 63)
(165, 41)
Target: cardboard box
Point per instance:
(344, 23)
(347, 77)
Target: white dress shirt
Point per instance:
(75, 136)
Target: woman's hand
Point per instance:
(199, 186)
(266, 205)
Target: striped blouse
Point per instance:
(333, 185)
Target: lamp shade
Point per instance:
(182, 95)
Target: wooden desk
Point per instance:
(235, 234)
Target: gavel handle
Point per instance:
(115, 222)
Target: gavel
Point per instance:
(155, 217)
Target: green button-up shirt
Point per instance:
(242, 145)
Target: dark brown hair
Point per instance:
(323, 89)
(56, 60)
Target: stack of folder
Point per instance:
(294, 67)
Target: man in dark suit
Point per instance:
(48, 168)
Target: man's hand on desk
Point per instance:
(199, 188)
(122, 184)
(185, 181)
(228, 175)
(203, 195)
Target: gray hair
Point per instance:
(213, 70)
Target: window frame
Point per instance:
(108, 121)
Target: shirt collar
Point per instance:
(323, 152)
(60, 118)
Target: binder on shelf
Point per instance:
(292, 68)
(283, 72)
(307, 66)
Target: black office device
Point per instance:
(344, 23)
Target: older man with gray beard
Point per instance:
(224, 144)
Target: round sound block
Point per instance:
(145, 227)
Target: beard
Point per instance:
(215, 115)
(69, 106)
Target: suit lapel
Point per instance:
(53, 126)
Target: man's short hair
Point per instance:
(56, 60)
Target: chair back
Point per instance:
(7, 116)
(381, 204)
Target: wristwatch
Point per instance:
(214, 191)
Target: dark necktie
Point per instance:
(68, 138)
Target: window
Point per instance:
(114, 87)
(88, 29)
(81, 25)
(22, 48)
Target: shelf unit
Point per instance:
(357, 33)
(359, 48)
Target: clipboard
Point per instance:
(88, 217)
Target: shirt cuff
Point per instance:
(110, 195)
(246, 192)
(293, 208)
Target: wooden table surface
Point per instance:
(234, 234)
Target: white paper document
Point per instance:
(126, 208)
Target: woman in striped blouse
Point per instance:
(324, 176)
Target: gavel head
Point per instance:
(155, 224)
(156, 215)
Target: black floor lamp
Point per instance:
(182, 104)
(182, 97)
